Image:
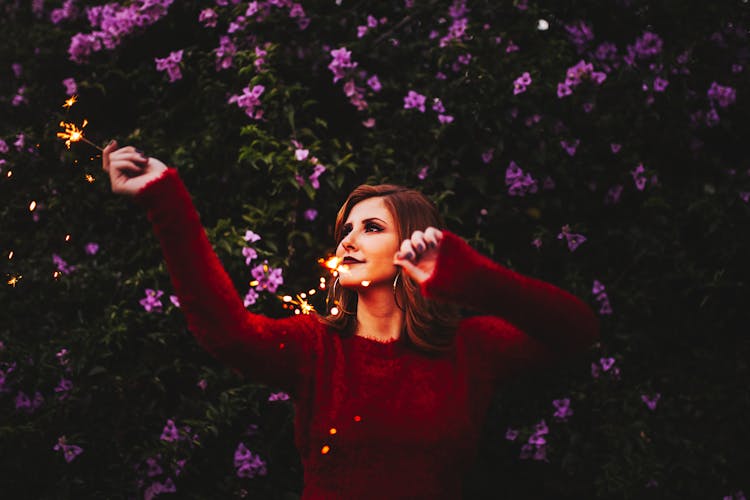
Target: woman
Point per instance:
(391, 391)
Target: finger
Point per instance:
(432, 237)
(119, 167)
(411, 270)
(417, 241)
(105, 154)
(406, 251)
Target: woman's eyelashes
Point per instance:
(370, 227)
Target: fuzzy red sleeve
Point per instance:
(546, 320)
(276, 352)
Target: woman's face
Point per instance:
(369, 243)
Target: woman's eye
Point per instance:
(373, 227)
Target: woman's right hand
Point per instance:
(129, 170)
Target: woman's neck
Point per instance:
(378, 316)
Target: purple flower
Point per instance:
(311, 214)
(225, 53)
(660, 84)
(374, 83)
(606, 363)
(317, 171)
(278, 396)
(69, 451)
(563, 89)
(249, 254)
(249, 100)
(615, 147)
(154, 469)
(62, 356)
(651, 400)
(722, 95)
(62, 266)
(563, 410)
(580, 34)
(174, 299)
(422, 174)
(415, 100)
(70, 86)
(3, 146)
(267, 278)
(170, 64)
(250, 297)
(23, 402)
(91, 248)
(536, 447)
(67, 11)
(570, 147)
(638, 177)
(251, 237)
(613, 195)
(170, 432)
(208, 18)
(202, 384)
(247, 464)
(520, 83)
(63, 387)
(341, 62)
(519, 183)
(536, 242)
(151, 302)
(487, 155)
(574, 240)
(511, 434)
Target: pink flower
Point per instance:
(170, 64)
(415, 100)
(574, 240)
(249, 100)
(651, 400)
(374, 83)
(151, 302)
(70, 86)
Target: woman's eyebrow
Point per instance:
(369, 219)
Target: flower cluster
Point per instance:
(114, 23)
(576, 74)
(570, 147)
(371, 23)
(69, 451)
(68, 11)
(580, 34)
(574, 240)
(225, 53)
(605, 365)
(152, 302)
(62, 266)
(639, 177)
(601, 297)
(28, 405)
(249, 101)
(562, 409)
(520, 83)
(651, 401)
(247, 464)
(303, 155)
(519, 183)
(170, 64)
(457, 30)
(721, 95)
(536, 447)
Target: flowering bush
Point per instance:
(589, 145)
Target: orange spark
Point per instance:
(69, 102)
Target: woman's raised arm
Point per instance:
(276, 352)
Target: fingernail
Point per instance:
(409, 256)
(431, 244)
(420, 248)
(140, 152)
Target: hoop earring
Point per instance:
(333, 292)
(395, 295)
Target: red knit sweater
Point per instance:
(406, 425)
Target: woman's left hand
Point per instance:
(418, 254)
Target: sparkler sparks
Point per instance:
(299, 302)
(70, 101)
(13, 280)
(74, 134)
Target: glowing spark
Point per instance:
(56, 274)
(302, 305)
(332, 431)
(335, 311)
(67, 237)
(10, 255)
(254, 283)
(13, 280)
(357, 418)
(325, 449)
(365, 283)
(10, 173)
(75, 134)
(69, 102)
(90, 178)
(32, 206)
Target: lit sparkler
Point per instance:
(13, 280)
(70, 101)
(75, 134)
(299, 303)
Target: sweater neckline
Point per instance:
(378, 347)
